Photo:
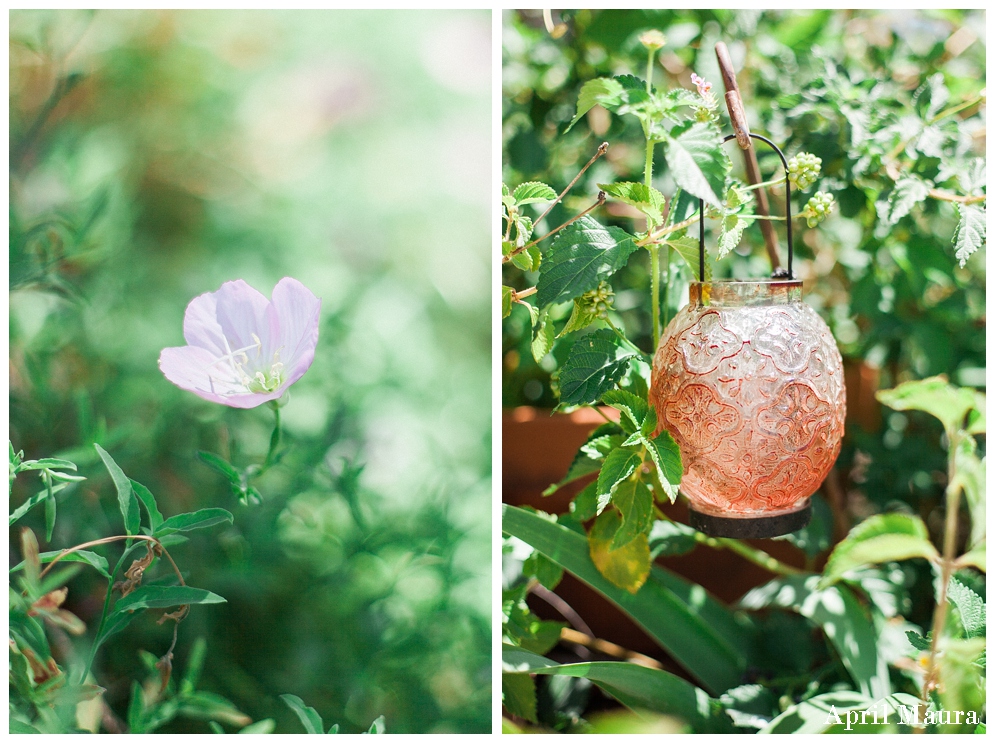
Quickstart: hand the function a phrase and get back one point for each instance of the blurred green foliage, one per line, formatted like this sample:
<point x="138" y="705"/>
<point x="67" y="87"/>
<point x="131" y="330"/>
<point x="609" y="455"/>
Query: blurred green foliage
<point x="157" y="154"/>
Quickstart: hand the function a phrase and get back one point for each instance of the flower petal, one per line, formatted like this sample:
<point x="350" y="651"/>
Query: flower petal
<point x="200" y="324"/>
<point x="199" y="371"/>
<point x="298" y="311"/>
<point x="243" y="312"/>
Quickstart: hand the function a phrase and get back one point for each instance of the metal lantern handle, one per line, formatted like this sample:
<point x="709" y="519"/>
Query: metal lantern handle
<point x="787" y="211"/>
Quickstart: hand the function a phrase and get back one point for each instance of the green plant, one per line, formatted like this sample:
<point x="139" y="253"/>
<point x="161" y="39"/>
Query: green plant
<point x="742" y="678"/>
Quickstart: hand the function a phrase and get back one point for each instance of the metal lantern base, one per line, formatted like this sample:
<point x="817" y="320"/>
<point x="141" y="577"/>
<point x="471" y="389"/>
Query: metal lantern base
<point x="762" y="527"/>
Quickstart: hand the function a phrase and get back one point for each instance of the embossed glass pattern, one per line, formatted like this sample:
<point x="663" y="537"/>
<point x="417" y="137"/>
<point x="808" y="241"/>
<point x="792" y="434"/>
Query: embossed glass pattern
<point x="749" y="382"/>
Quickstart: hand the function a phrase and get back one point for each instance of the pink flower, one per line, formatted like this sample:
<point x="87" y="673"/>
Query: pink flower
<point x="242" y="349"/>
<point x="704" y="87"/>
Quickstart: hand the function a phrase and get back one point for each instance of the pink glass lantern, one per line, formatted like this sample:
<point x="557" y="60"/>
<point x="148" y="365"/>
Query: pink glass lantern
<point x="748" y="380"/>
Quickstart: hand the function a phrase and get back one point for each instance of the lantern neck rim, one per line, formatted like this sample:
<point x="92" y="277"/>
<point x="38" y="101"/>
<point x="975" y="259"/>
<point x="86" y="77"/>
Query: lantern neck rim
<point x="737" y="293"/>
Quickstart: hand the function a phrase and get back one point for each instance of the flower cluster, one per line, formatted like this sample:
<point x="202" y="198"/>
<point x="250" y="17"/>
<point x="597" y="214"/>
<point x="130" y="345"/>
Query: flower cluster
<point x="652" y="40"/>
<point x="818" y="208"/>
<point x="707" y="110"/>
<point x="803" y="169"/>
<point x="596" y="302"/>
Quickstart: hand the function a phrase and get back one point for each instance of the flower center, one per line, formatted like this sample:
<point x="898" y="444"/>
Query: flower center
<point x="235" y="373"/>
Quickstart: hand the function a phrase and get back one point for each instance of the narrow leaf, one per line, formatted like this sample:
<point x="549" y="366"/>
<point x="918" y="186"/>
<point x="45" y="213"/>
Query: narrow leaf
<point x="196" y="520"/>
<point x="308" y="716"/>
<point x="148" y="500"/>
<point x="127" y="501"/>
<point x="162" y="597"/>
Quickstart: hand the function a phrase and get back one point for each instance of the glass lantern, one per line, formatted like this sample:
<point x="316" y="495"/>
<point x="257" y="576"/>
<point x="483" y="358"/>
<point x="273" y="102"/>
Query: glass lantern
<point x="748" y="380"/>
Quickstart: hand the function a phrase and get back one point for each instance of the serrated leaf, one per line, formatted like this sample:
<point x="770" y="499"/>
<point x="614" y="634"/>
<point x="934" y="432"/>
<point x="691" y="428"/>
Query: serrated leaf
<point x="931" y="97"/>
<point x="544" y="337"/>
<point x="970" y="233"/>
<point x="681" y="97"/>
<point x="627" y="567"/>
<point x="697" y="162"/>
<point x="666" y="455"/>
<point x="518" y="695"/>
<point x="732" y="233"/>
<point x="126" y="498"/>
<point x="533" y="311"/>
<point x="688" y="249"/>
<point x="578" y="320"/>
<point x="581" y="256"/>
<point x="596" y="363"/>
<point x="634" y="409"/>
<point x="547" y="572"/>
<point x="881" y="538"/>
<point x="908" y="192"/>
<point x="308" y="716"/>
<point x="590" y="456"/>
<point x="601" y="91"/>
<point x="970" y="606"/>
<point x="618" y="465"/>
<point x="506" y="301"/>
<point x="644" y="198"/>
<point x="634" y="502"/>
<point x="532" y="193"/>
<point x="584" y="506"/>
<point x="201" y="519"/>
<point x="528" y="260"/>
<point x="917" y="641"/>
<point x="935" y="396"/>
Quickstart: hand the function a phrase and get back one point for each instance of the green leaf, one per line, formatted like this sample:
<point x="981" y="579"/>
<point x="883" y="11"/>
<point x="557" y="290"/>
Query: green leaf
<point x="843" y="621"/>
<point x="528" y="260"/>
<point x="518" y="694"/>
<point x="506" y="301"/>
<point x="547" y="572"/>
<point x="378" y="726"/>
<point x="46" y="464"/>
<point x="909" y="191"/>
<point x="970" y="232"/>
<point x="668" y="538"/>
<point x="917" y="641"/>
<point x="596" y="364"/>
<point x="634" y="502"/>
<point x="976" y="557"/>
<point x="50" y="509"/>
<point x="197" y="520"/>
<point x="688" y="249"/>
<point x="34" y="500"/>
<point x="970" y="606"/>
<point x="970" y="477"/>
<point x="533" y="192"/>
<point x="222" y="467"/>
<point x="578" y="320"/>
<point x="697" y="162"/>
<point x="262" y="727"/>
<point x="633" y="408"/>
<point x="308" y="716"/>
<point x="127" y="501"/>
<point x="601" y="91"/>
<point x="819" y="714"/>
<point x="666" y="455"/>
<point x="581" y="256"/>
<point x="881" y="538"/>
<point x="161" y="597"/>
<point x="732" y="233"/>
<point x="627" y="567"/>
<point x="636" y="686"/>
<point x="148" y="500"/>
<point x="544" y="338"/>
<point x="589" y="457"/>
<point x="935" y="396"/>
<point x="85" y="556"/>
<point x="700" y="633"/>
<point x="618" y="465"/>
<point x="645" y="198"/>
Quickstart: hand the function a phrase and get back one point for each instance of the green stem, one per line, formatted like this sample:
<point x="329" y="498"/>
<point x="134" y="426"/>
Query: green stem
<point x="765" y="184"/>
<point x="625" y="340"/>
<point x="655" y="290"/>
<point x="648" y="164"/>
<point x="666" y="288"/>
<point x="757" y="557"/>
<point x="274" y="439"/>
<point x="103" y="612"/>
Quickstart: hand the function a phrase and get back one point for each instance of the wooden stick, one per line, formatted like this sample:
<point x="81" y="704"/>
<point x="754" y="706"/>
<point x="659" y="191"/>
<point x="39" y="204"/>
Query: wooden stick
<point x="734" y="103"/>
